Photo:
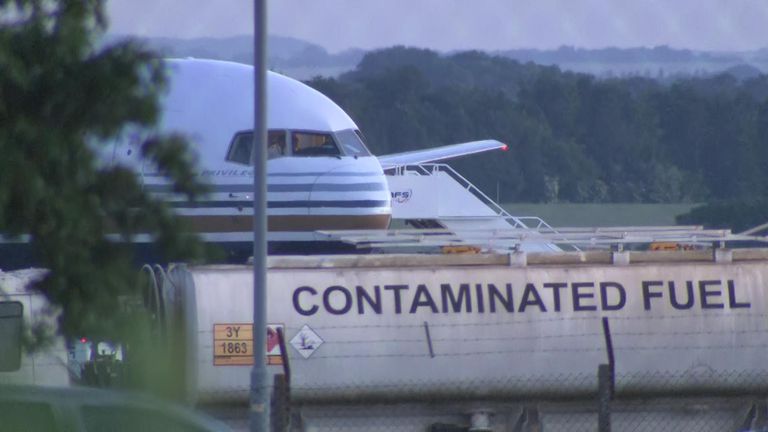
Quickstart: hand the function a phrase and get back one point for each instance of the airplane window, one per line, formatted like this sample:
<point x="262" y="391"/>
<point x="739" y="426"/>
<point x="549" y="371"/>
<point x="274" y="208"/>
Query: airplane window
<point x="240" y="149"/>
<point x="352" y="143"/>
<point x="276" y="147"/>
<point x="313" y="144"/>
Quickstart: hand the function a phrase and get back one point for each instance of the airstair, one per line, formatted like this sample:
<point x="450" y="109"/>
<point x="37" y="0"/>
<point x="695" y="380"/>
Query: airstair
<point x="446" y="211"/>
<point x="434" y="196"/>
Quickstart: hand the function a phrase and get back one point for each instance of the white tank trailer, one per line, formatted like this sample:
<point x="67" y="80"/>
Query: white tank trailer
<point x="374" y="342"/>
<point x="19" y="304"/>
<point x="481" y="327"/>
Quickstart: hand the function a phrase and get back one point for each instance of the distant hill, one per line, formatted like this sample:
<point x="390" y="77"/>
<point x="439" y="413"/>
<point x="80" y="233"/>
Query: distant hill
<point x="304" y="60"/>
<point x="619" y="55"/>
<point x="293" y="57"/>
<point x="661" y="62"/>
<point x="743" y="72"/>
<point x="467" y="69"/>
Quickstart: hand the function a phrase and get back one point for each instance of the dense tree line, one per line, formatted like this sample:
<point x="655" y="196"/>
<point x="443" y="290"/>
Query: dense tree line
<point x="572" y="137"/>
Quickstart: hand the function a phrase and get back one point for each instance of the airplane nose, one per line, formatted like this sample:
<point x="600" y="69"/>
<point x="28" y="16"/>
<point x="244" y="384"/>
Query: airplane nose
<point x="351" y="196"/>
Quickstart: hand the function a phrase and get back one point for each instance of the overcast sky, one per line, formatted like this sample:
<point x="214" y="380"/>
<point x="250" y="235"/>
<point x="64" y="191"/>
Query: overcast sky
<point x="461" y="24"/>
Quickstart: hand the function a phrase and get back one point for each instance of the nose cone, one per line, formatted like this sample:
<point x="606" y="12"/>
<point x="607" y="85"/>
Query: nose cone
<point x="353" y="195"/>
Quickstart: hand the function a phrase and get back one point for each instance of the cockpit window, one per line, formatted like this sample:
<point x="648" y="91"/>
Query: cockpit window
<point x="352" y="143"/>
<point x="275" y="144"/>
<point x="313" y="144"/>
<point x="240" y="148"/>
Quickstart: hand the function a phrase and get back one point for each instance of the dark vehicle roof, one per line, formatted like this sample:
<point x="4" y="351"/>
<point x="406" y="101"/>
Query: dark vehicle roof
<point x="96" y="409"/>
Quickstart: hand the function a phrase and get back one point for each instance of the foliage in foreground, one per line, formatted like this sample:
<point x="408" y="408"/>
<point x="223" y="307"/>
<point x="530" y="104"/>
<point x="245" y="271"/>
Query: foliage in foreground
<point x="62" y="101"/>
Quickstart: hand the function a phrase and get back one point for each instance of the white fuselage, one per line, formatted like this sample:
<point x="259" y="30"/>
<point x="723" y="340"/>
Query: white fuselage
<point x="338" y="185"/>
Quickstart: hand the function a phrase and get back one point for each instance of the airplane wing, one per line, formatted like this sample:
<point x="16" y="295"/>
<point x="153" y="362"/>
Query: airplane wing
<point x="439" y="153"/>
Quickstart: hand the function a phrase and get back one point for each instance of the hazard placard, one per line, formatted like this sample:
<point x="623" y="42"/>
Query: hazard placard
<point x="273" y="344"/>
<point x="233" y="344"/>
<point x="306" y="341"/>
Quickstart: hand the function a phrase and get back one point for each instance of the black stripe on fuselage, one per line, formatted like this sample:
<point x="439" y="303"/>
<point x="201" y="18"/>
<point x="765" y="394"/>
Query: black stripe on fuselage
<point x="298" y="187"/>
<point x="248" y="173"/>
<point x="326" y="187"/>
<point x="326" y="174"/>
<point x="281" y="204"/>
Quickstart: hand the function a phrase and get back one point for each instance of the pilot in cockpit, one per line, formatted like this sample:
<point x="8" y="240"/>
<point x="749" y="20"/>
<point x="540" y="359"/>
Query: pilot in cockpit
<point x="276" y="147"/>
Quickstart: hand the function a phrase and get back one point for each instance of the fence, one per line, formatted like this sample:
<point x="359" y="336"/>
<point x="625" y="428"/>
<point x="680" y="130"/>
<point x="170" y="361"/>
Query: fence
<point x="551" y="413"/>
<point x="699" y="399"/>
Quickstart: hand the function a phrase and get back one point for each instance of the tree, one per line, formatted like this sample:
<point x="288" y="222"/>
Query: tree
<point x="572" y="137"/>
<point x="62" y="98"/>
<point x="737" y="215"/>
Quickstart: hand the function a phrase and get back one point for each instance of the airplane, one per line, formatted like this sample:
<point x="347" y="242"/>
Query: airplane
<point x="320" y="174"/>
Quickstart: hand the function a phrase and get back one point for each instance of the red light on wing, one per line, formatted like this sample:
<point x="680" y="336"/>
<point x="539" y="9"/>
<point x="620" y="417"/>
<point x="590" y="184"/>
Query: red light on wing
<point x="505" y="147"/>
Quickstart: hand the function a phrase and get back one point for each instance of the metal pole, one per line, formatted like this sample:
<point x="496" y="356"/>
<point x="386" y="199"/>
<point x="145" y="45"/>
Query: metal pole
<point x="604" y="395"/>
<point x="611" y="358"/>
<point x="259" y="406"/>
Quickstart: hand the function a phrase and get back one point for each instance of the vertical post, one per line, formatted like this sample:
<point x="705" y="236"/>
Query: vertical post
<point x="259" y="398"/>
<point x="284" y="355"/>
<point x="280" y="409"/>
<point x="605" y="382"/>
<point x="611" y="359"/>
<point x="603" y="398"/>
<point x="429" y="340"/>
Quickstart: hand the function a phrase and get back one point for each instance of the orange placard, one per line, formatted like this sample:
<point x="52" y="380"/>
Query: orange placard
<point x="233" y="344"/>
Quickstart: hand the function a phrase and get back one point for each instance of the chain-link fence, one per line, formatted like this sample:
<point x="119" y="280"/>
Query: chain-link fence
<point x="656" y="372"/>
<point x="573" y="414"/>
<point x="495" y="389"/>
<point x="569" y="410"/>
<point x="690" y="396"/>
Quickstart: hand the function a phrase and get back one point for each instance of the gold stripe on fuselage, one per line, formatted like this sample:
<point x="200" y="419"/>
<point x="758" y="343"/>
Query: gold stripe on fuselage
<point x="244" y="223"/>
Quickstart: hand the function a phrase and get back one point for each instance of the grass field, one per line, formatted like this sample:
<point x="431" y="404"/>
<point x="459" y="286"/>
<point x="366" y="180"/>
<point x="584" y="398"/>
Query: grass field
<point x="589" y="215"/>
